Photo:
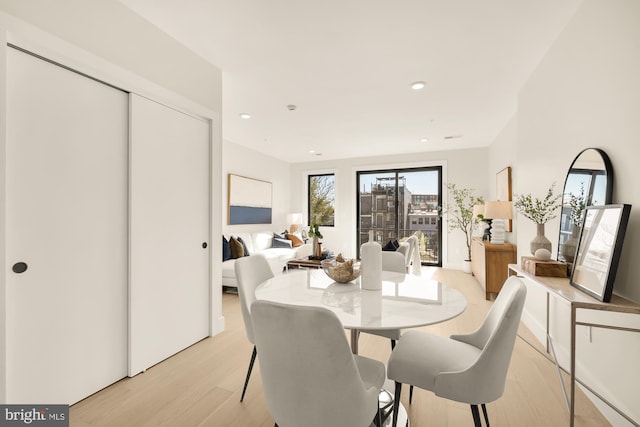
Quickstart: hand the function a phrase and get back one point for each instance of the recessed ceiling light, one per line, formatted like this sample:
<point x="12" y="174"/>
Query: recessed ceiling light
<point x="312" y="151"/>
<point x="418" y="85"/>
<point x="424" y="140"/>
<point x="245" y="116"/>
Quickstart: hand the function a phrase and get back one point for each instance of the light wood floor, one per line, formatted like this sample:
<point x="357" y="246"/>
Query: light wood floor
<point x="201" y="385"/>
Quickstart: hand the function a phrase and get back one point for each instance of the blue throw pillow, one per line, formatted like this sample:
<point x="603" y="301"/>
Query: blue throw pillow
<point x="244" y="246"/>
<point x="281" y="243"/>
<point x="226" y="249"/>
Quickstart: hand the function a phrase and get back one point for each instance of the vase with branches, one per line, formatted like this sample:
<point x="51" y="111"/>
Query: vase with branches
<point x="314" y="232"/>
<point x="540" y="211"/>
<point x="460" y="212"/>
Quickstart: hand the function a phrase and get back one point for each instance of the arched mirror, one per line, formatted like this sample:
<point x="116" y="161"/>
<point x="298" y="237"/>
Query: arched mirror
<point x="589" y="182"/>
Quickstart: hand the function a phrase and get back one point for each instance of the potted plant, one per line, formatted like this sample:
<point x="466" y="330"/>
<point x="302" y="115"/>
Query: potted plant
<point x="460" y="214"/>
<point x="314" y="232"/>
<point x="577" y="204"/>
<point x="540" y="212"/>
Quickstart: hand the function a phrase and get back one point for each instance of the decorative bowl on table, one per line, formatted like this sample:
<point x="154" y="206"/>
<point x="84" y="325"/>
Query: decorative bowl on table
<point x="341" y="270"/>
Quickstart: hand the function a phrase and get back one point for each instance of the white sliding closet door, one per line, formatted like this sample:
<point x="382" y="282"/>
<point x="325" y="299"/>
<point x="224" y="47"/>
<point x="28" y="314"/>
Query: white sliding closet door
<point x="67" y="224"/>
<point x="170" y="224"/>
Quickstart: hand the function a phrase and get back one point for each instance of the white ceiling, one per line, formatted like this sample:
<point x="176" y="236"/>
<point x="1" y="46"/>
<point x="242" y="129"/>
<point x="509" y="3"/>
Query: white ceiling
<point x="347" y="65"/>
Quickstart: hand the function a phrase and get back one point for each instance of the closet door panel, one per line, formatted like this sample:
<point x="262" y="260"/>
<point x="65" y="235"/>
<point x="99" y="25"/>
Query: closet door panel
<point x="170" y="224"/>
<point x="67" y="148"/>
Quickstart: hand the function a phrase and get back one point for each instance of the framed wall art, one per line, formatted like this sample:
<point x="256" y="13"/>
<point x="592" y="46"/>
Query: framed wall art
<point x="249" y="200"/>
<point x="503" y="191"/>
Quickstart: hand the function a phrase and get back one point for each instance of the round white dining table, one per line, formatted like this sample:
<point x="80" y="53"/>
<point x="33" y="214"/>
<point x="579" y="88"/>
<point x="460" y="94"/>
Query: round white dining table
<point x="405" y="301"/>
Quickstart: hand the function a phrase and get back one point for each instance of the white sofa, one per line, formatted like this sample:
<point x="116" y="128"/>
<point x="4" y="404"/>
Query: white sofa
<point x="260" y="242"/>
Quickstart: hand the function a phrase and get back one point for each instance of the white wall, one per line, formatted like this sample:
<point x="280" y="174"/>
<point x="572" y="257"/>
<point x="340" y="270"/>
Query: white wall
<point x="586" y="93"/>
<point x="465" y="168"/>
<point x="243" y="161"/>
<point x="114" y="32"/>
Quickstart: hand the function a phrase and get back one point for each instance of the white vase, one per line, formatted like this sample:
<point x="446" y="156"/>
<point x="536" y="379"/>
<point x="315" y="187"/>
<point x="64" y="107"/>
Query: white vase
<point x="569" y="247"/>
<point x="466" y="266"/>
<point x="371" y="265"/>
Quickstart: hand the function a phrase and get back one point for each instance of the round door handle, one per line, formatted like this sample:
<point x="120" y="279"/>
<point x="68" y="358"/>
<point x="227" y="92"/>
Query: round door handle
<point x="204" y="245"/>
<point x="19" y="267"/>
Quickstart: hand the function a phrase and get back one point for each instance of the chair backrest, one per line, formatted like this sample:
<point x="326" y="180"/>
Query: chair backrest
<point x="414" y="257"/>
<point x="496" y="338"/>
<point x="405" y="249"/>
<point x="309" y="374"/>
<point x="393" y="261"/>
<point x="250" y="272"/>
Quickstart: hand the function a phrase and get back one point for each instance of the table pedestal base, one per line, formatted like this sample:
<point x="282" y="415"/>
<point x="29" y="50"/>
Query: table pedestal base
<point x="385" y="399"/>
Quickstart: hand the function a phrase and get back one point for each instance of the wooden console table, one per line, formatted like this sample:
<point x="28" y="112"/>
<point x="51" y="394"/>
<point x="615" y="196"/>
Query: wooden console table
<point x="489" y="264"/>
<point x="578" y="300"/>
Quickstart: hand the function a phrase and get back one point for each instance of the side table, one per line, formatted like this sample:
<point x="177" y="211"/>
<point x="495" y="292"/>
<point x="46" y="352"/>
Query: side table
<point x="304" y="263"/>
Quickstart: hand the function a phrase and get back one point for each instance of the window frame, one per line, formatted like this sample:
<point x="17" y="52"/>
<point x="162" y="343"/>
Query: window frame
<point x="310" y="176"/>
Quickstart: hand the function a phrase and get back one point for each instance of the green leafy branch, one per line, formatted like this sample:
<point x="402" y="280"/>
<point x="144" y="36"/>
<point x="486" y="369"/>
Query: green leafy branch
<point x="577" y="203"/>
<point x="539" y="211"/>
<point x="460" y="213"/>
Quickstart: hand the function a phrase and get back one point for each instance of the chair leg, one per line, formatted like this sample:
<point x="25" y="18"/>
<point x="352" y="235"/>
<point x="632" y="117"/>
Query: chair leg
<point x="393" y="344"/>
<point x="476" y="416"/>
<point x="377" y="421"/>
<point x="410" y="394"/>
<point x="486" y="416"/>
<point x="246" y="381"/>
<point x="396" y="402"/>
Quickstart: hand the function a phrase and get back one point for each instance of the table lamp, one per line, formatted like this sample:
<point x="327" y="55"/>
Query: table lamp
<point x="498" y="211"/>
<point x="295" y="219"/>
<point x="479" y="210"/>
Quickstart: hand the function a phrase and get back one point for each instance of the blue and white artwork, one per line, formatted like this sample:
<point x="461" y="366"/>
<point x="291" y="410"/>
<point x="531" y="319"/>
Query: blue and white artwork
<point x="249" y="201"/>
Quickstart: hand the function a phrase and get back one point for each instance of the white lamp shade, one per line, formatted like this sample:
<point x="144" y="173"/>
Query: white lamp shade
<point x="498" y="210"/>
<point x="294" y="218"/>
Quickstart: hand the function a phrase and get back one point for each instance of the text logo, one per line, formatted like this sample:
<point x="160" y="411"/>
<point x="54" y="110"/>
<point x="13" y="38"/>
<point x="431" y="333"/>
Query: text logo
<point x="34" y="415"/>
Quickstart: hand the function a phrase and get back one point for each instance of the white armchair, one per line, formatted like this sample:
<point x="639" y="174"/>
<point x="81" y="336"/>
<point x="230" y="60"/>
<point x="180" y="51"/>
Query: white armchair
<point x="309" y="374"/>
<point x="466" y="368"/>
<point x="250" y="272"/>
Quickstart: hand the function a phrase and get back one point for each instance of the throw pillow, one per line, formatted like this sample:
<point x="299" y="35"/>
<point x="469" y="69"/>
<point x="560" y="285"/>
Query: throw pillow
<point x="244" y="246"/>
<point x="281" y="243"/>
<point x="279" y="236"/>
<point x="237" y="251"/>
<point x="295" y="241"/>
<point x="226" y="249"/>
<point x="391" y="245"/>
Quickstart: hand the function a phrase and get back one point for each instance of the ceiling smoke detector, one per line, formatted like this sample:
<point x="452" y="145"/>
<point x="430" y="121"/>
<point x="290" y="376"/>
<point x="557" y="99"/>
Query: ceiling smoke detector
<point x="291" y="107"/>
<point x="450" y="137"/>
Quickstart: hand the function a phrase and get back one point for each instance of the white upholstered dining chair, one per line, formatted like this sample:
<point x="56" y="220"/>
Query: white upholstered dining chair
<point x="468" y="368"/>
<point x="309" y="375"/>
<point x="250" y="272"/>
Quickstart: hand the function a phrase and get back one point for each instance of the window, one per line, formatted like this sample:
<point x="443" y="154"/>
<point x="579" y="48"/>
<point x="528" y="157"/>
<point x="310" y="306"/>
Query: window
<point x="321" y="199"/>
<point x="398" y="201"/>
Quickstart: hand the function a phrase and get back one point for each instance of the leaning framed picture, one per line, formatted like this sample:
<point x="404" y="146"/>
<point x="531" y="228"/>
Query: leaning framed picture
<point x="599" y="248"/>
<point x="503" y="191"/>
